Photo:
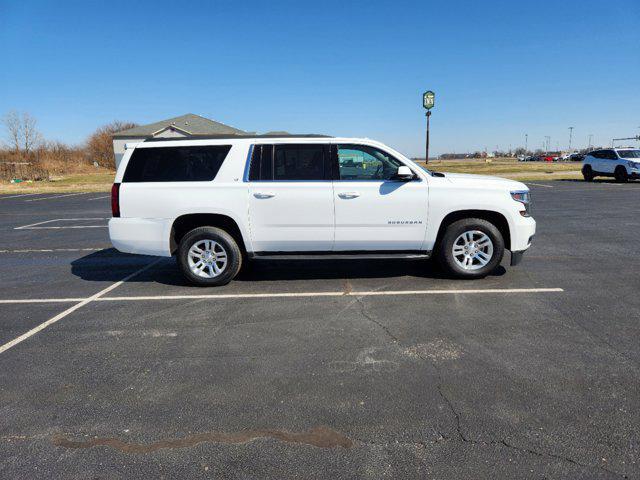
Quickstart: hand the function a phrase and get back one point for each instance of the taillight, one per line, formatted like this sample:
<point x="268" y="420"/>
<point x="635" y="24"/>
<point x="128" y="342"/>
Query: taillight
<point x="115" y="200"/>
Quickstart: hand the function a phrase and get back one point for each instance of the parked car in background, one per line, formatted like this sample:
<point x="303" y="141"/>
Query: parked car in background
<point x="576" y="157"/>
<point x="621" y="163"/>
<point x="214" y="203"/>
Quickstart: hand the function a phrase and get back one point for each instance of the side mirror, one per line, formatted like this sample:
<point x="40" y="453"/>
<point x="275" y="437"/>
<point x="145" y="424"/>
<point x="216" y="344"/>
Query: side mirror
<point x="404" y="174"/>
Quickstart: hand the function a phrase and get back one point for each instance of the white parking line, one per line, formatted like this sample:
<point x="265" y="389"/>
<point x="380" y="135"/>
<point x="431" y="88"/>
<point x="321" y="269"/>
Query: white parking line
<point x="34" y="226"/>
<point x="539" y="185"/>
<point x="100" y="198"/>
<point x="72" y="309"/>
<point x="224" y="296"/>
<point x="18" y="196"/>
<point x="47" y="250"/>
<point x="55" y="196"/>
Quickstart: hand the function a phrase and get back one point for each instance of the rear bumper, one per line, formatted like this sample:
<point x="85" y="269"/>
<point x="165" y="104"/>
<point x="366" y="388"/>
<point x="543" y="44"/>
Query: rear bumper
<point x="145" y="236"/>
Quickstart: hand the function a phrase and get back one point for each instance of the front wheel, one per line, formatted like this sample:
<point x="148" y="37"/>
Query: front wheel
<point x="621" y="175"/>
<point x="209" y="256"/>
<point x="471" y="248"/>
<point x="587" y="173"/>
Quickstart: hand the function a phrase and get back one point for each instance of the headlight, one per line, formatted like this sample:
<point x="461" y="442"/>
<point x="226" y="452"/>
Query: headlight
<point x="634" y="164"/>
<point x="524" y="197"/>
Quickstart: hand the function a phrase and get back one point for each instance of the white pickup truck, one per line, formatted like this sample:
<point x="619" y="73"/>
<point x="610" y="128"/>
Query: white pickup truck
<point x="216" y="202"/>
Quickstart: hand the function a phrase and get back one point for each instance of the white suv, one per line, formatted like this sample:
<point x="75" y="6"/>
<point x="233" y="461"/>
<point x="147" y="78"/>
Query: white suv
<point x="621" y="163"/>
<point x="216" y="202"/>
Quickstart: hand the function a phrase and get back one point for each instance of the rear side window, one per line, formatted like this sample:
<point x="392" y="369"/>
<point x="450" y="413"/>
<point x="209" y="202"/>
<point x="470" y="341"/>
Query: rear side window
<point x="290" y="162"/>
<point x="261" y="163"/>
<point x="605" y="155"/>
<point x="175" y="164"/>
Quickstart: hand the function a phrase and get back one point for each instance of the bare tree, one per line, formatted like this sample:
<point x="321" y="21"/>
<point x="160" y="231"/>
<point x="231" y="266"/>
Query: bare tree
<point x="100" y="143"/>
<point x="12" y="123"/>
<point x="22" y="131"/>
<point x="31" y="137"/>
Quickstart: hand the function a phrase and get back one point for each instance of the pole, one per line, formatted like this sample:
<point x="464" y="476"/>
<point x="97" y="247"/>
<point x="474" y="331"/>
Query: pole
<point x="526" y="143"/>
<point x="426" y="157"/>
<point x="570" y="137"/>
<point x="590" y="137"/>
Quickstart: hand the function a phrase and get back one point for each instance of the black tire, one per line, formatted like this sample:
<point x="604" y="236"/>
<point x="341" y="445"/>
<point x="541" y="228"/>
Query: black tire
<point x="587" y="173"/>
<point x="445" y="254"/>
<point x="620" y="174"/>
<point x="226" y="241"/>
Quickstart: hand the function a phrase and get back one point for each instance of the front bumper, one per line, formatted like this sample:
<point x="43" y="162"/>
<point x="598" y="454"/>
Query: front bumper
<point x="516" y="257"/>
<point x="522" y="235"/>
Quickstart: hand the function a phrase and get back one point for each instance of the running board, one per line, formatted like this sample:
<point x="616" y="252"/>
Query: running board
<point x="339" y="255"/>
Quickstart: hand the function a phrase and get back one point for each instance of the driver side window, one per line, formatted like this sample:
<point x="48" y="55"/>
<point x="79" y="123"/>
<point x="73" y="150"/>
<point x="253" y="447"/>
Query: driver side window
<point x="361" y="162"/>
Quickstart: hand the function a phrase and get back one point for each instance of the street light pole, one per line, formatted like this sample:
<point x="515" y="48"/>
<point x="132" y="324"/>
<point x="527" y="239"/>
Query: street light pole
<point x="526" y="142"/>
<point x="590" y="137"/>
<point x="570" y="137"/>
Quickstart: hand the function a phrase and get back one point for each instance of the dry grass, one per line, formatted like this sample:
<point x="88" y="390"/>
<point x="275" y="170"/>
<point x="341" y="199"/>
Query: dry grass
<point x="510" y="168"/>
<point x="93" y="182"/>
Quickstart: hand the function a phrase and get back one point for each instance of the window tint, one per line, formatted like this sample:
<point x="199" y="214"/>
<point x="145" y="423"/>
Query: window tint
<point x="261" y="163"/>
<point x="597" y="154"/>
<point x="175" y="164"/>
<point x="609" y="154"/>
<point x="361" y="162"/>
<point x="629" y="153"/>
<point x="299" y="162"/>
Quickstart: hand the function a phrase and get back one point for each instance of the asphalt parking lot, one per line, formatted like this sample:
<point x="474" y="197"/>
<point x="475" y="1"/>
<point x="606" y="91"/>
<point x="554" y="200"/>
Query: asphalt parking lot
<point x="332" y="369"/>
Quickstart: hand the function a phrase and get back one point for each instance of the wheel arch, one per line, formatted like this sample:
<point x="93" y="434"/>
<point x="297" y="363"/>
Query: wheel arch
<point x="496" y="218"/>
<point x="185" y="223"/>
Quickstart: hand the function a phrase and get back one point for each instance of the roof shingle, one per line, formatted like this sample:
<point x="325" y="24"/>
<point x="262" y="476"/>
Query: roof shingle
<point x="190" y="123"/>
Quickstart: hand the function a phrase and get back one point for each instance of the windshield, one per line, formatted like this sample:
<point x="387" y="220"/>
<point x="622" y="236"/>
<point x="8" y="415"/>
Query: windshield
<point x="629" y="153"/>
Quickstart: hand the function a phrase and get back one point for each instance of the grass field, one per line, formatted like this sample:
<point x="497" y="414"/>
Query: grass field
<point x="91" y="182"/>
<point x="510" y="168"/>
<point x="502" y="167"/>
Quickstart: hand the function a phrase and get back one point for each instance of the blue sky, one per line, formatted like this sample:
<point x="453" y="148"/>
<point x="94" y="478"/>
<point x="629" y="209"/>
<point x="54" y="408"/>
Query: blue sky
<point x="499" y="69"/>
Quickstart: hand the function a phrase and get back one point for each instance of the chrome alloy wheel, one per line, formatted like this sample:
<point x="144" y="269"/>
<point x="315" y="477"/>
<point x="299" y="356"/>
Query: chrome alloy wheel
<point x="472" y="250"/>
<point x="207" y="258"/>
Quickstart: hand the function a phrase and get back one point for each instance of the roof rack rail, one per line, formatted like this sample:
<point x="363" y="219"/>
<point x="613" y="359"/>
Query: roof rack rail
<point x="236" y="137"/>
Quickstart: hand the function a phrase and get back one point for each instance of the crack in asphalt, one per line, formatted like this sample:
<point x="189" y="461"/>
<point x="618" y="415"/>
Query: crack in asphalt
<point x="460" y="434"/>
<point x="363" y="311"/>
<point x="321" y="437"/>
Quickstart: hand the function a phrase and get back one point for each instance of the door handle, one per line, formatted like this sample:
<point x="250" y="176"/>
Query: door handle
<point x="347" y="195"/>
<point x="264" y="194"/>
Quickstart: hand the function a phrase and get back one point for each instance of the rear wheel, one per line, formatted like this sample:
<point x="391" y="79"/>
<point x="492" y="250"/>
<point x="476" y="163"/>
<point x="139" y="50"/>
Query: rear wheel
<point x="471" y="248"/>
<point x="620" y="174"/>
<point x="209" y="256"/>
<point x="587" y="173"/>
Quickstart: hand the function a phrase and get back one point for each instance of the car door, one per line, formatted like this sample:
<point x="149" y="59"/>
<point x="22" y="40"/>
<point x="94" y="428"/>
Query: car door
<point x="595" y="160"/>
<point x="373" y="211"/>
<point x="291" y="198"/>
<point x="603" y="162"/>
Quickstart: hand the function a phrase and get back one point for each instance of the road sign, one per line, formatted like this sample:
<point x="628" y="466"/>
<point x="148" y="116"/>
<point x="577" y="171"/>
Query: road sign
<point x="428" y="100"/>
